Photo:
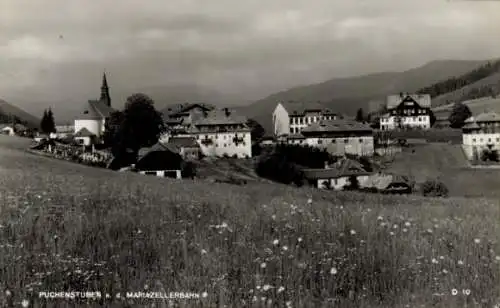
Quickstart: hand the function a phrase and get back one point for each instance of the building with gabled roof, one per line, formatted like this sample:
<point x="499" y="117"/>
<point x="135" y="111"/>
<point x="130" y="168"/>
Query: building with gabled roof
<point x="340" y="137"/>
<point x="188" y="146"/>
<point x="161" y="159"/>
<point x="480" y="133"/>
<point x="407" y="111"/>
<point x="292" y="117"/>
<point x="95" y="112"/>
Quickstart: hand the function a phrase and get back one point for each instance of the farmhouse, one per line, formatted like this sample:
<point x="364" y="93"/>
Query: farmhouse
<point x="338" y="175"/>
<point x="63" y="131"/>
<point x="85" y="137"/>
<point x="161" y="160"/>
<point x="179" y="118"/>
<point x="480" y="133"/>
<point x="340" y="137"/>
<point x="407" y="111"/>
<point x="188" y="147"/>
<point x="95" y="113"/>
<point x="291" y="118"/>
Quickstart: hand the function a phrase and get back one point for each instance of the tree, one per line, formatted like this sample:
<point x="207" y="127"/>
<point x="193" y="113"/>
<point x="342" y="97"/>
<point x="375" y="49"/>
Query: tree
<point x="432" y="118"/>
<point x="141" y="124"/>
<point x="111" y="136"/>
<point x="360" y="117"/>
<point x="47" y="124"/>
<point x="257" y="131"/>
<point x="458" y="115"/>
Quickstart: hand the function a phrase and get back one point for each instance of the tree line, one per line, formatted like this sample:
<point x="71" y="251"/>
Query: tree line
<point x="455" y="83"/>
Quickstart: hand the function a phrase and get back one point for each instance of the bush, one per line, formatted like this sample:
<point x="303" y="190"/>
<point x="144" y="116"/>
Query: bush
<point x="235" y="156"/>
<point x="225" y="155"/>
<point x="489" y="155"/>
<point x="188" y="170"/>
<point x="434" y="188"/>
<point x="278" y="168"/>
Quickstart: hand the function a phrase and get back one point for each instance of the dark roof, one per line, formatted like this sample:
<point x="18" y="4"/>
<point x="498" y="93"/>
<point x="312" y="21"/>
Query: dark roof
<point x="95" y="110"/>
<point x="296" y="136"/>
<point x="301" y="107"/>
<point x="339" y="125"/>
<point x="484" y="117"/>
<point x="158" y="147"/>
<point x="185" y="107"/>
<point x="424" y="100"/>
<point x="184" y="142"/>
<point x="342" y="168"/>
<point x="84" y="132"/>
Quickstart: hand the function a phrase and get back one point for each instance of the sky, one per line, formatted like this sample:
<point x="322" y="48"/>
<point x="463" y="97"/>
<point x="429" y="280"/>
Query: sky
<point x="56" y="50"/>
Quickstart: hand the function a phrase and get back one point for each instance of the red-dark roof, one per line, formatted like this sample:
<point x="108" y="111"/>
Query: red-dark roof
<point x="95" y="110"/>
<point x="158" y="147"/>
<point x="339" y="125"/>
<point x="84" y="132"/>
<point x="185" y="142"/>
<point x="342" y="168"/>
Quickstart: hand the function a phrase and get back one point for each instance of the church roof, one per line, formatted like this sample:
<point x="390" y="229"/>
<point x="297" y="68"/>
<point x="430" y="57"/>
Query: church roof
<point x="424" y="100"/>
<point x="340" y="125"/>
<point x="95" y="110"/>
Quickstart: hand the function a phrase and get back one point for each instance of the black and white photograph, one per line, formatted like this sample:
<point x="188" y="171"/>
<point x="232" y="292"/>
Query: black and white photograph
<point x="281" y="153"/>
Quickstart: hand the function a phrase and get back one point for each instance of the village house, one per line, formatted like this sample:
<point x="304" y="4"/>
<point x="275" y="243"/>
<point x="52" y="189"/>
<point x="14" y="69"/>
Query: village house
<point x="163" y="160"/>
<point x="481" y="132"/>
<point x="296" y="139"/>
<point x="340" y="137"/>
<point x="179" y="118"/>
<point x="188" y="147"/>
<point x="7" y="129"/>
<point x="407" y="111"/>
<point x="85" y="137"/>
<point x="63" y="131"/>
<point x="95" y="113"/>
<point x="291" y="118"/>
<point x="337" y="176"/>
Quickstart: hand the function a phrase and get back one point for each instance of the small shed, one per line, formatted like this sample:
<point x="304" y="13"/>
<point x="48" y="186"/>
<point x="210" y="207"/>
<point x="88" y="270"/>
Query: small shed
<point x="162" y="159"/>
<point x="338" y="176"/>
<point x="188" y="147"/>
<point x="85" y="137"/>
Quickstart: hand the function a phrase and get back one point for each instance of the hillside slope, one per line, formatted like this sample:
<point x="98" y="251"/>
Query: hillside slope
<point x="11" y="110"/>
<point x="346" y="95"/>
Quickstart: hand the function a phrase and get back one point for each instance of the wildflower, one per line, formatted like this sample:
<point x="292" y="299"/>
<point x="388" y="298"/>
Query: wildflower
<point x="281" y="289"/>
<point x="285" y="248"/>
<point x="273" y="217"/>
<point x="460" y="262"/>
<point x="395" y="226"/>
<point x="309" y="201"/>
<point x="441" y="257"/>
<point x="266" y="287"/>
<point x="383" y="224"/>
<point x="203" y="251"/>
<point x="445" y="271"/>
<point x="405" y="230"/>
<point x="380" y="218"/>
<point x="8" y="293"/>
<point x="288" y="304"/>
<point x="333" y="271"/>
<point x="263" y="265"/>
<point x="477" y="241"/>
<point x="224" y="225"/>
<point x="25" y="303"/>
<point x="429" y="230"/>
<point x="353" y="232"/>
<point x="276" y="242"/>
<point x="391" y="233"/>
<point x="407" y="224"/>
<point x="299" y="239"/>
<point x="434" y="261"/>
<point x="497" y="258"/>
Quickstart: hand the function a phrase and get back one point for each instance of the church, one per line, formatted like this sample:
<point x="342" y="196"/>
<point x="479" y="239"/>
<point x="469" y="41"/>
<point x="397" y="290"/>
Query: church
<point x="90" y="123"/>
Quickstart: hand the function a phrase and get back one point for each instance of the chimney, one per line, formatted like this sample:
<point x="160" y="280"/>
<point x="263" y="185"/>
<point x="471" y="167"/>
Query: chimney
<point x="227" y="112"/>
<point x="401" y="94"/>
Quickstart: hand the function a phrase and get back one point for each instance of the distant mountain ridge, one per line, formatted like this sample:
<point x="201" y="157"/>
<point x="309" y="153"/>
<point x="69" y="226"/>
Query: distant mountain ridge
<point x="346" y="95"/>
<point x="9" y="110"/>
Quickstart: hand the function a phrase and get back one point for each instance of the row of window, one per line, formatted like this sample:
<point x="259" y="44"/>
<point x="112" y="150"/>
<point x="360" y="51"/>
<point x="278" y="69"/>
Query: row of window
<point x="389" y="127"/>
<point x="405" y="119"/>
<point x="321" y="141"/>
<point x="409" y="111"/>
<point x="224" y="137"/>
<point x="481" y="140"/>
<point x="309" y="120"/>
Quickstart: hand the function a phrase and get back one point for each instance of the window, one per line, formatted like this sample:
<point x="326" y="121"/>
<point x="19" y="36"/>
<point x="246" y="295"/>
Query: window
<point x="498" y="139"/>
<point x="489" y="139"/>
<point x="335" y="182"/>
<point x="360" y="140"/>
<point x="346" y="140"/>
<point x="333" y="140"/>
<point x="473" y="139"/>
<point x="320" y="141"/>
<point x="420" y="119"/>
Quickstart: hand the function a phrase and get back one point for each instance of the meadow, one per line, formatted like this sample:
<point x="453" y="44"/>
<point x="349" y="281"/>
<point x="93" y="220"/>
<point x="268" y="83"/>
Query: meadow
<point x="65" y="226"/>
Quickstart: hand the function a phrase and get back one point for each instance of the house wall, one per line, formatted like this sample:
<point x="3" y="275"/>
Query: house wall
<point x="222" y="143"/>
<point x="281" y="121"/>
<point x="8" y="130"/>
<point x="415" y="121"/>
<point x="358" y="145"/>
<point x="477" y="142"/>
<point x="84" y="140"/>
<point x="162" y="173"/>
<point x="94" y="126"/>
<point x="339" y="183"/>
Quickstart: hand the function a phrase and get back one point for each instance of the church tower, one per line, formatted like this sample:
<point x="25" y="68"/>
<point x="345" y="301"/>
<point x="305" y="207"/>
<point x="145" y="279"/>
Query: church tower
<point x="105" y="91"/>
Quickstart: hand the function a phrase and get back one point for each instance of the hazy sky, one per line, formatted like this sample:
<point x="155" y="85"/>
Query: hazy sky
<point x="57" y="49"/>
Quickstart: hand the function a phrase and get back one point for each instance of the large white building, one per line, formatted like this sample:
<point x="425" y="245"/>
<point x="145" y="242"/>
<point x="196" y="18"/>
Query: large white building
<point x="290" y="118"/>
<point x="481" y="132"/>
<point x="95" y="112"/>
<point x="340" y="137"/>
<point x="219" y="133"/>
<point x="407" y="111"/>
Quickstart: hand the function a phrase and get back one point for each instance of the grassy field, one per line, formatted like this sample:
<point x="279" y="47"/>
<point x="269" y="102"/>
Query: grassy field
<point x="448" y="164"/>
<point x="70" y="227"/>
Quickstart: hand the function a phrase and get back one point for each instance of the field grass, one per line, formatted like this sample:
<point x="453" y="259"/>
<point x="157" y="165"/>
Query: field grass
<point x="71" y="227"/>
<point x="447" y="163"/>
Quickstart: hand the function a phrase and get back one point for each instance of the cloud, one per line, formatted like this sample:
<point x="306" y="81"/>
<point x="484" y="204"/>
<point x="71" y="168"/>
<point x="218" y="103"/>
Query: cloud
<point x="246" y="47"/>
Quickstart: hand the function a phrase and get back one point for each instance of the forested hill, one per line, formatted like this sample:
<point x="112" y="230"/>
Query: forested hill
<point x="480" y="82"/>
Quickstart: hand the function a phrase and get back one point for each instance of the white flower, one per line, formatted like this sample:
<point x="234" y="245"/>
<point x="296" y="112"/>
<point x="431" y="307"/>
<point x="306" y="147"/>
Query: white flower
<point x="441" y="257"/>
<point x="333" y="271"/>
<point x="434" y="261"/>
<point x="281" y="289"/>
<point x="263" y="265"/>
<point x="203" y="251"/>
<point x="266" y="287"/>
<point x="273" y="217"/>
<point x="497" y="258"/>
<point x="477" y="241"/>
<point x="299" y="239"/>
<point x="285" y="248"/>
<point x="276" y="242"/>
<point x="395" y="226"/>
<point x="445" y="271"/>
<point x="405" y="230"/>
<point x="460" y="262"/>
<point x="309" y="201"/>
<point x="353" y="232"/>
<point x="380" y="218"/>
<point x="407" y="224"/>
<point x="224" y="225"/>
<point x="25" y="303"/>
<point x="391" y="233"/>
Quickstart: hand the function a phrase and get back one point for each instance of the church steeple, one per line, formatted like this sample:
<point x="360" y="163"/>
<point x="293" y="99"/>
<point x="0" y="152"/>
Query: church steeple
<point x="105" y="91"/>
